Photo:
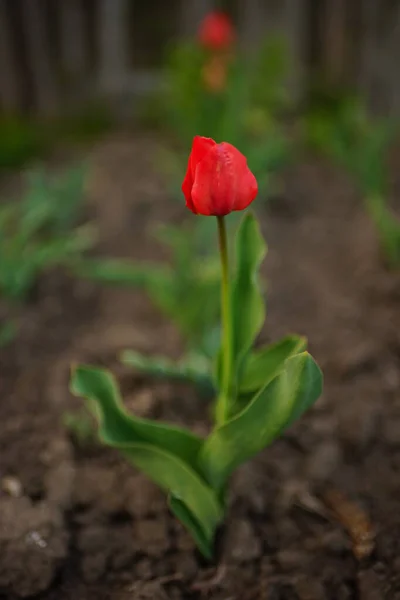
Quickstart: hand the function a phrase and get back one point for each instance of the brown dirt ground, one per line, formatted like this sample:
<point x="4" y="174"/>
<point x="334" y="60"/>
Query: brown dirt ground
<point x="314" y="517"/>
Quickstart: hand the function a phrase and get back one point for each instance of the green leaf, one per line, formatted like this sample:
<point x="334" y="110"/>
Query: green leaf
<point x="194" y="369"/>
<point x="270" y="155"/>
<point x="200" y="509"/>
<point x="248" y="307"/>
<point x="64" y="248"/>
<point x="388" y="228"/>
<point x="167" y="454"/>
<point x="263" y="365"/>
<point x="120" y="272"/>
<point x="181" y="512"/>
<point x="116" y="424"/>
<point x="294" y="389"/>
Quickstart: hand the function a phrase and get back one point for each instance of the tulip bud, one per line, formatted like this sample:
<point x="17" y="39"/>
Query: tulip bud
<point x="216" y="32"/>
<point x="218" y="180"/>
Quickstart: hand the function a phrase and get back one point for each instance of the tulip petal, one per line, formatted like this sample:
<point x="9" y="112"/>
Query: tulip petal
<point x="187" y="189"/>
<point x="213" y="185"/>
<point x="223" y="182"/>
<point x="201" y="145"/>
<point x="246" y="183"/>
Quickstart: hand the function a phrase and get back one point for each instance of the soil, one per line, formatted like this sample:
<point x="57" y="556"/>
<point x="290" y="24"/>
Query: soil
<point x="314" y="517"/>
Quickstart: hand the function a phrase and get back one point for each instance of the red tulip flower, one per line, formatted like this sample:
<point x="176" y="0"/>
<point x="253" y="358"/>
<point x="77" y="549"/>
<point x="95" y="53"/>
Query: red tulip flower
<point x="216" y="32"/>
<point x="218" y="180"/>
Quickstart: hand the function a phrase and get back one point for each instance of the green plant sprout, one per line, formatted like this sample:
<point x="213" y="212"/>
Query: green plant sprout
<point x="57" y="198"/>
<point x="8" y="331"/>
<point x="360" y="145"/>
<point x="260" y="392"/>
<point x="80" y="425"/>
<point x="36" y="233"/>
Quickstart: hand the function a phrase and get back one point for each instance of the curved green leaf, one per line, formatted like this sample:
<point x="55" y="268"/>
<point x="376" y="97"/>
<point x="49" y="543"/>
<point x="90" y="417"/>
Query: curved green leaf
<point x="295" y="388"/>
<point x="263" y="365"/>
<point x="165" y="453"/>
<point x="248" y="307"/>
<point x="203" y="542"/>
<point x="119" y="427"/>
<point x="199" y="508"/>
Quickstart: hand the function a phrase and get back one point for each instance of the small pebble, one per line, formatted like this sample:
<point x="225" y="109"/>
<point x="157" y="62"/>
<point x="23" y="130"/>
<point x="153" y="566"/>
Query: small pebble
<point x="12" y="486"/>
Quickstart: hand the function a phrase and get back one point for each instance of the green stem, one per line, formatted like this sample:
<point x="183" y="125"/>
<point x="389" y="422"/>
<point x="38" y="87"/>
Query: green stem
<point x="222" y="407"/>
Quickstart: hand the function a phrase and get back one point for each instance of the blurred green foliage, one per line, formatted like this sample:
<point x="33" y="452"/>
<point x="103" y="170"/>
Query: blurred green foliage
<point x="245" y="111"/>
<point x="89" y="122"/>
<point x="39" y="231"/>
<point x="8" y="331"/>
<point x="80" y="425"/>
<point x="186" y="292"/>
<point x="22" y="140"/>
<point x="359" y="143"/>
<point x="252" y="85"/>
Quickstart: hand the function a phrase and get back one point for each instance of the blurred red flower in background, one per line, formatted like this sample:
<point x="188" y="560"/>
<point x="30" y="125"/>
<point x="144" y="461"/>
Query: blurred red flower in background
<point x="218" y="180"/>
<point x="216" y="31"/>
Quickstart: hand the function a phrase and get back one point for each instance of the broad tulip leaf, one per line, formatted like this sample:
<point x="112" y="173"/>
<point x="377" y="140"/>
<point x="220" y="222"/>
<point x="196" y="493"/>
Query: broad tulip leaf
<point x="164" y="453"/>
<point x="248" y="307"/>
<point x="194" y="370"/>
<point x="203" y="540"/>
<point x="199" y="508"/>
<point x="294" y="389"/>
<point x="264" y="364"/>
<point x="117" y="425"/>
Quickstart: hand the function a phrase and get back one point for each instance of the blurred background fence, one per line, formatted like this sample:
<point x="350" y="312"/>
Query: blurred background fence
<point x="58" y="54"/>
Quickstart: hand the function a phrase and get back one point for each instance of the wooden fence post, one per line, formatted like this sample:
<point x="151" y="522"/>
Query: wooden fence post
<point x="336" y="49"/>
<point x="10" y="88"/>
<point x="286" y="18"/>
<point x="113" y="47"/>
<point x="34" y="27"/>
<point x="192" y="12"/>
<point x="251" y="24"/>
<point x="73" y="40"/>
<point x="295" y="19"/>
<point x="393" y="66"/>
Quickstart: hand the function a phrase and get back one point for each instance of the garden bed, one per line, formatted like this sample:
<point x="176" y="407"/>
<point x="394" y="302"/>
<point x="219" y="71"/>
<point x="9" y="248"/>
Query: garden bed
<point x="314" y="517"/>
